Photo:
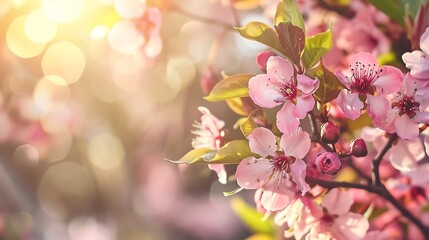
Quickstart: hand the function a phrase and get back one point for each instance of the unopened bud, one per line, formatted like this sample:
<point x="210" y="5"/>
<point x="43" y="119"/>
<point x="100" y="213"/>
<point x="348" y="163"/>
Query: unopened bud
<point x="208" y="81"/>
<point x="328" y="163"/>
<point x="262" y="59"/>
<point x="329" y="132"/>
<point x="358" y="148"/>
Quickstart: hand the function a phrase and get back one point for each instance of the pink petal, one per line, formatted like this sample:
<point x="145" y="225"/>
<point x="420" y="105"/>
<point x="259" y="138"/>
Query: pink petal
<point x="263" y="142"/>
<point x="337" y="202"/>
<point x="304" y="105"/>
<point x="264" y="90"/>
<point x="153" y="46"/>
<point x="280" y="67"/>
<point x="124" y="37"/>
<point x="365" y="58"/>
<point x="286" y="120"/>
<point x="405" y="155"/>
<point x="424" y="41"/>
<point x="253" y="173"/>
<point x="277" y="199"/>
<point x="298" y="172"/>
<point x="426" y="142"/>
<point x="389" y="80"/>
<point x="220" y="171"/>
<point x="406" y="128"/>
<point x="377" y="107"/>
<point x="307" y="85"/>
<point x="350" y="226"/>
<point x="343" y="79"/>
<point x="350" y="104"/>
<point x="296" y="144"/>
<point x="130" y="8"/>
<point x="418" y="63"/>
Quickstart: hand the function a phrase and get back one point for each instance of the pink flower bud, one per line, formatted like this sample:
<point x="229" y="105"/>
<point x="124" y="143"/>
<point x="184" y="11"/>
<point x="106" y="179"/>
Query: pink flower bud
<point x="262" y="59"/>
<point x="330" y="132"/>
<point x="208" y="81"/>
<point x="358" y="148"/>
<point x="328" y="163"/>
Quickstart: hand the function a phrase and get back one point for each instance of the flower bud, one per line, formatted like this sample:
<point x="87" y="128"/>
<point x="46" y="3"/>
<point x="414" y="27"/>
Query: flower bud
<point x="330" y="133"/>
<point x="262" y="59"/>
<point x="328" y="163"/>
<point x="358" y="148"/>
<point x="208" y="80"/>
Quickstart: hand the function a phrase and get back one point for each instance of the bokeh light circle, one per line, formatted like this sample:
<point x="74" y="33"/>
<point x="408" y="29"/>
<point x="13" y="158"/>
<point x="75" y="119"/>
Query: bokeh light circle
<point x="40" y="28"/>
<point x="61" y="11"/>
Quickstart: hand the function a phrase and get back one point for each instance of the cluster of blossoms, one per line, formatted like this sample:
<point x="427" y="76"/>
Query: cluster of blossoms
<point x="295" y="164"/>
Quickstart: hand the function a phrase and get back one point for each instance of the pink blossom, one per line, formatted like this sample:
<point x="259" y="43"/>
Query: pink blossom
<point x="337" y="222"/>
<point x="139" y="29"/>
<point x="209" y="134"/>
<point x="278" y="173"/>
<point x="280" y="86"/>
<point x="369" y="83"/>
<point x="409" y="108"/>
<point x="328" y="163"/>
<point x="418" y="61"/>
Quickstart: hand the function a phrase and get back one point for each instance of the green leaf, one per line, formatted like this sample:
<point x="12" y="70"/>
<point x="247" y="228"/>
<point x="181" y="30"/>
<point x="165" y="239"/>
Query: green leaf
<point x="230" y="87"/>
<point x="233" y="192"/>
<point x="292" y="39"/>
<point x="315" y="47"/>
<point x="329" y="86"/>
<point x="261" y="32"/>
<point x="251" y="217"/>
<point x="233" y="152"/>
<point x="392" y="9"/>
<point x="236" y="105"/>
<point x="247" y="126"/>
<point x="288" y="11"/>
<point x="198" y="155"/>
<point x="412" y="6"/>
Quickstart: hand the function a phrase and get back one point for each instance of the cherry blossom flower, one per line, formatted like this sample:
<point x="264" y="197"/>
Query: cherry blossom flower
<point x="139" y="29"/>
<point x="278" y="173"/>
<point x="328" y="163"/>
<point x="337" y="222"/>
<point x="281" y="86"/>
<point x="209" y="135"/>
<point x="418" y="61"/>
<point x="409" y="108"/>
<point x="367" y="83"/>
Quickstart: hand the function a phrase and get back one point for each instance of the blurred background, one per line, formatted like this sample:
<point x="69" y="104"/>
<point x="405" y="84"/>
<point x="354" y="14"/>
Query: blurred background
<point x="85" y="130"/>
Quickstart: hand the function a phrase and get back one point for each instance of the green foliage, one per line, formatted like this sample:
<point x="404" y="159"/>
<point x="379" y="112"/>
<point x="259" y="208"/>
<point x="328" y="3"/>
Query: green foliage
<point x="199" y="155"/>
<point x="237" y="106"/>
<point x="251" y="217"/>
<point x="411" y="7"/>
<point x="233" y="152"/>
<point x="230" y="87"/>
<point x="288" y="12"/>
<point x="391" y="8"/>
<point x="292" y="39"/>
<point x="247" y="126"/>
<point x="261" y="32"/>
<point x="315" y="47"/>
<point x="329" y="86"/>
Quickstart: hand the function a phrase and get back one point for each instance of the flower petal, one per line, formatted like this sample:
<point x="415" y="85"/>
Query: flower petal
<point x="365" y="58"/>
<point x="307" y="85"/>
<point x="406" y="128"/>
<point x="424" y="41"/>
<point x="298" y="172"/>
<point x="130" y="8"/>
<point x="377" y="107"/>
<point x="253" y="173"/>
<point x="263" y="142"/>
<point x="418" y="62"/>
<point x="389" y="80"/>
<point x="296" y="144"/>
<point x="303" y="105"/>
<point x="282" y="68"/>
<point x="264" y="89"/>
<point x="220" y="171"/>
<point x="286" y="120"/>
<point x="337" y="201"/>
<point x="405" y="155"/>
<point x="350" y="226"/>
<point x="350" y="104"/>
<point x="277" y="198"/>
<point x="125" y="38"/>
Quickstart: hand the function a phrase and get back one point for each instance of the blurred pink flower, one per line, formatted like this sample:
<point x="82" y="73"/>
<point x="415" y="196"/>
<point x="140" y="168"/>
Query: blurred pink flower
<point x="275" y="169"/>
<point x="367" y="81"/>
<point x="279" y="86"/>
<point x="209" y="134"/>
<point x="418" y="61"/>
<point x="139" y="29"/>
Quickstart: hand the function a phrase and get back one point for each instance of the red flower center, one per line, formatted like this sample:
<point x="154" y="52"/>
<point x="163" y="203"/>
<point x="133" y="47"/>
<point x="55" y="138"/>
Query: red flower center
<point x="363" y="76"/>
<point x="407" y="105"/>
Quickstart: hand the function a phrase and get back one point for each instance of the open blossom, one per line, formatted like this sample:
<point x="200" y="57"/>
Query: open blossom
<point x="279" y="172"/>
<point x="418" y="61"/>
<point x="367" y="83"/>
<point x="281" y="86"/>
<point x="209" y="134"/>
<point x="139" y="29"/>
<point x="409" y="108"/>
